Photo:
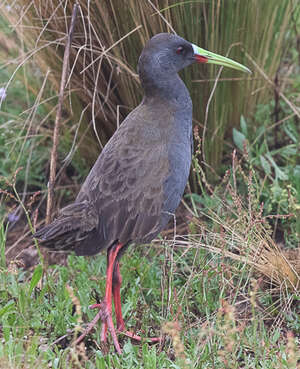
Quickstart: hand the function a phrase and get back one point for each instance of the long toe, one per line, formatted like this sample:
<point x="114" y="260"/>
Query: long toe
<point x="89" y="328"/>
<point x="105" y="315"/>
<point x="135" y="337"/>
<point x="104" y="333"/>
<point x="112" y="330"/>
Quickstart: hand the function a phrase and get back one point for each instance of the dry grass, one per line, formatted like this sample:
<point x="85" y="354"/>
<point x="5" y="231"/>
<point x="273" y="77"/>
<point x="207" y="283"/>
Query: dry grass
<point x="235" y="229"/>
<point x="257" y="249"/>
<point x="250" y="266"/>
<point x="108" y="39"/>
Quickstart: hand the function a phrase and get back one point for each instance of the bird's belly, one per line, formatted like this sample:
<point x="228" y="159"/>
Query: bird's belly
<point x="180" y="163"/>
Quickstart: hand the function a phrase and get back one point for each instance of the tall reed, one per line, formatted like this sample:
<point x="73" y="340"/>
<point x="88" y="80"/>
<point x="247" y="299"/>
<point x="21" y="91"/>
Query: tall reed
<point x="108" y="39"/>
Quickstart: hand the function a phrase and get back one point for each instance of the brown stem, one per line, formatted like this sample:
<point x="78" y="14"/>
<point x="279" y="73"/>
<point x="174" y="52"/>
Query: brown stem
<point x="58" y="117"/>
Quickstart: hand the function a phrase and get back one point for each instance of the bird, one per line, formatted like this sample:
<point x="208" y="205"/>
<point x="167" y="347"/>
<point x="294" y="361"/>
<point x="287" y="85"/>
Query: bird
<point x="140" y="176"/>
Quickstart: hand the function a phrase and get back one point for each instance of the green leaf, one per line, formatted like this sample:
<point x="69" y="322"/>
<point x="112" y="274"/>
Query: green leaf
<point x="238" y="139"/>
<point x="265" y="164"/>
<point x="7" y="307"/>
<point x="36" y="277"/>
<point x="292" y="132"/>
<point x="243" y="125"/>
<point x="279" y="173"/>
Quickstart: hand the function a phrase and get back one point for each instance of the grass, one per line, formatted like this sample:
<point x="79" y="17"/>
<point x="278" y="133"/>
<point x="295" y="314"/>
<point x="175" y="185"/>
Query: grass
<point x="213" y="318"/>
<point x="277" y="171"/>
<point x="224" y="296"/>
<point x="20" y="111"/>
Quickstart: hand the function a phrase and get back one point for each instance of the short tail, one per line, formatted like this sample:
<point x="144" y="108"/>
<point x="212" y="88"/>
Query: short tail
<point x="76" y="224"/>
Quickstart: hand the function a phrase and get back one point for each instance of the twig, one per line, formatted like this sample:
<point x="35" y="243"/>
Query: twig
<point x="41" y="256"/>
<point x="58" y="118"/>
<point x="162" y="17"/>
<point x="105" y="52"/>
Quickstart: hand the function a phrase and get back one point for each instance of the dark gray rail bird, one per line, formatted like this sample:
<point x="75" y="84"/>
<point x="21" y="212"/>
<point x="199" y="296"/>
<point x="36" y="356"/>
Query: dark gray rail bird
<point x="139" y="178"/>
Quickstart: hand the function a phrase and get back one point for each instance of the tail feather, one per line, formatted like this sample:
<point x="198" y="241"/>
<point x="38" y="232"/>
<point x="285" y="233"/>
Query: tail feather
<point x="75" y="223"/>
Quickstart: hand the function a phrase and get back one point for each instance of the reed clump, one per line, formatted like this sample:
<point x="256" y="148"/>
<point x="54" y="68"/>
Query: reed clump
<point x="103" y="85"/>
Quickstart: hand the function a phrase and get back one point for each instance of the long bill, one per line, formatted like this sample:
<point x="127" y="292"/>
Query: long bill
<point x="204" y="56"/>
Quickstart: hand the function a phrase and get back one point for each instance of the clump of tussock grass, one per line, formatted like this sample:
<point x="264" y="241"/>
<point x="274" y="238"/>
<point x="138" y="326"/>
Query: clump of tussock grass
<point x="233" y="226"/>
<point x="218" y="338"/>
<point x="103" y="85"/>
<point x="236" y="349"/>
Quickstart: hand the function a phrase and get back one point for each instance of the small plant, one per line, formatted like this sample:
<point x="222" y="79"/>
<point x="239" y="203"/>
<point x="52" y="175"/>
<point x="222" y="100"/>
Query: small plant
<point x="277" y="172"/>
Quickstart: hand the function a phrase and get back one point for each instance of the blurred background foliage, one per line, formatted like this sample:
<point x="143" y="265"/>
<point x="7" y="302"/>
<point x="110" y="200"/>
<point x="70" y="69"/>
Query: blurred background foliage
<point x="104" y="68"/>
<point x="103" y="85"/>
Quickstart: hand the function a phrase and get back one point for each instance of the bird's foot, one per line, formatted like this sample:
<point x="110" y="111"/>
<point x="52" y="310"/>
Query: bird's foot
<point x="121" y="329"/>
<point x="105" y="315"/>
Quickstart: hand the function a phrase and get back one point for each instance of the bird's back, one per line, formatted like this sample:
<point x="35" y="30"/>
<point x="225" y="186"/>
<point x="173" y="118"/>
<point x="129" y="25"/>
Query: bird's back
<point x="135" y="185"/>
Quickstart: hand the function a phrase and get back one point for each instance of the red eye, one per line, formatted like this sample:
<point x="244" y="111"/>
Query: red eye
<point x="179" y="50"/>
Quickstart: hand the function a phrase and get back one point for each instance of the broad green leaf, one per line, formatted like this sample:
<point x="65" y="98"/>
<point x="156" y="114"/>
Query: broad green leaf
<point x="36" y="277"/>
<point x="292" y="132"/>
<point x="265" y="164"/>
<point x="287" y="151"/>
<point x="238" y="139"/>
<point x="7" y="307"/>
<point x="243" y="124"/>
<point x="279" y="173"/>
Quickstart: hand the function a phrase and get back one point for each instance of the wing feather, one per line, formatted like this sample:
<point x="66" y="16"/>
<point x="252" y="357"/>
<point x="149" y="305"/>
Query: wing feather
<point x="127" y="184"/>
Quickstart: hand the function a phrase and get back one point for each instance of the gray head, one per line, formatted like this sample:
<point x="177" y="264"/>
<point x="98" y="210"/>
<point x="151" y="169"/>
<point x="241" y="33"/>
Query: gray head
<point x="163" y="56"/>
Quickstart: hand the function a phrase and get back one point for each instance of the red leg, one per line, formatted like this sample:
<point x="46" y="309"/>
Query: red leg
<point x="105" y="307"/>
<point x="117" y="281"/>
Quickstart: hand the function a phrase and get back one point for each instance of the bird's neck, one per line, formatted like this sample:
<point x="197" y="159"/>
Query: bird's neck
<point x="172" y="90"/>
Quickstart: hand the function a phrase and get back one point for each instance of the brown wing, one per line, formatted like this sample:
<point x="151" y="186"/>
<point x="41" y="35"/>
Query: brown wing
<point x="126" y="183"/>
<point x="75" y="224"/>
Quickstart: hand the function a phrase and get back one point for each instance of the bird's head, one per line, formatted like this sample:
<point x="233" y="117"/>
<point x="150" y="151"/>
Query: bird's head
<point x="166" y="54"/>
